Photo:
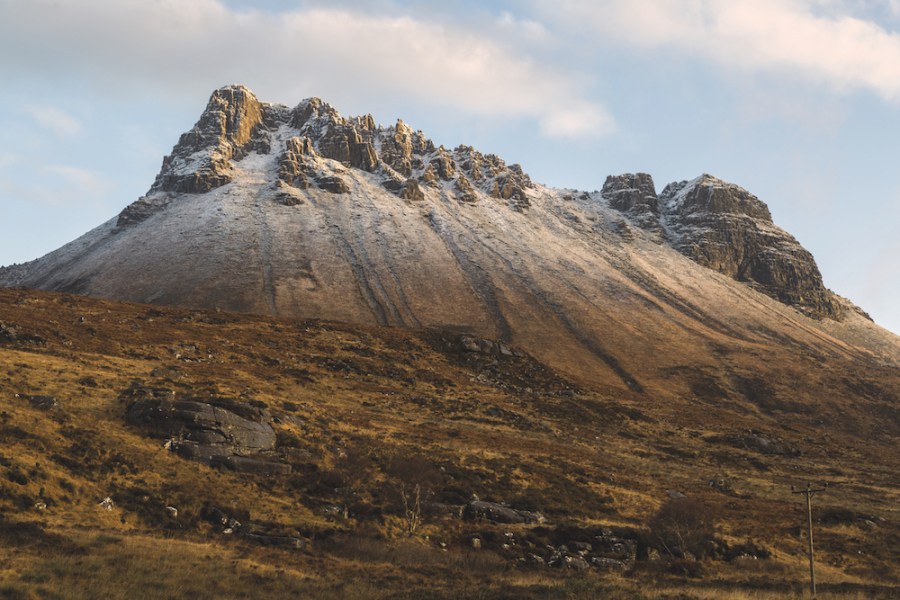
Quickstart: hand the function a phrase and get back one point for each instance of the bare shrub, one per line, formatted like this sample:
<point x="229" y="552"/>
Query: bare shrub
<point x="682" y="528"/>
<point x="416" y="481"/>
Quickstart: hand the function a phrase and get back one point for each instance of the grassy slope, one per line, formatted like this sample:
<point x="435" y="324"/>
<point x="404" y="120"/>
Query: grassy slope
<point x="504" y="428"/>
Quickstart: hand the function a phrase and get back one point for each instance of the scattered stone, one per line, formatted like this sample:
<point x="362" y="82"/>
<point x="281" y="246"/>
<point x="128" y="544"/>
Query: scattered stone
<point x="286" y="199"/>
<point x="607" y="545"/>
<point x="7" y="333"/>
<point x="498" y="513"/>
<point x="40" y="402"/>
<point x="535" y="560"/>
<point x="610" y="564"/>
<point x="468" y="343"/>
<point x="575" y="563"/>
<point x="10" y="333"/>
<point x="107" y="503"/>
<point x="243" y="464"/>
<point x="581" y="547"/>
<point x="217" y="516"/>
<point x="172" y="512"/>
<point x="279" y="541"/>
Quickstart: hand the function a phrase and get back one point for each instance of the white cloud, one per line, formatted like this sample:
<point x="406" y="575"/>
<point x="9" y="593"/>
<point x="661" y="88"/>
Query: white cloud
<point x="81" y="181"/>
<point x="56" y="185"/>
<point x="572" y="120"/>
<point x="341" y="55"/>
<point x="55" y="120"/>
<point x="820" y="40"/>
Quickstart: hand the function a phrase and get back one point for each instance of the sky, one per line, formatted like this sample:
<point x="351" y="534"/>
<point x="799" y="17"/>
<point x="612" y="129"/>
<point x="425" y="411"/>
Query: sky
<point x="798" y="101"/>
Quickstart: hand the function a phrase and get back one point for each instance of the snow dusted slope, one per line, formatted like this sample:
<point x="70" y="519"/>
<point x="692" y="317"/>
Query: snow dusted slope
<point x="300" y="212"/>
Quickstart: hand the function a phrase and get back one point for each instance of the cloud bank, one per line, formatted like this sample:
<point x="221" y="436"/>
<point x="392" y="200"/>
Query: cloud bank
<point x="829" y="42"/>
<point x="331" y="52"/>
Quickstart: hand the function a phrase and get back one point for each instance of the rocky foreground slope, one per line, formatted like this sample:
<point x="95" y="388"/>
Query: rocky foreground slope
<point x="161" y="452"/>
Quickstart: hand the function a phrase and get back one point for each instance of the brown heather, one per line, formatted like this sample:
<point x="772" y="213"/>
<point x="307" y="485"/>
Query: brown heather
<point x="349" y="402"/>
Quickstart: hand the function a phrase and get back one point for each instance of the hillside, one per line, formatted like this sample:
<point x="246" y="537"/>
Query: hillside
<point x="343" y="418"/>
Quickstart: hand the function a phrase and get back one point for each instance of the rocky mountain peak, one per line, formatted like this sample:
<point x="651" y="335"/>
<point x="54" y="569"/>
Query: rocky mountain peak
<point x="234" y="111"/>
<point x="229" y="127"/>
<point x="314" y="144"/>
<point x="724" y="227"/>
<point x="708" y="194"/>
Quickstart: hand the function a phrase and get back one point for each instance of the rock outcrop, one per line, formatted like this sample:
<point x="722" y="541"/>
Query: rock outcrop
<point x="498" y="513"/>
<point x="235" y="123"/>
<point x="294" y="167"/>
<point x="220" y="432"/>
<point x="634" y="195"/>
<point x="230" y="127"/>
<point x="724" y="227"/>
<point x="233" y="427"/>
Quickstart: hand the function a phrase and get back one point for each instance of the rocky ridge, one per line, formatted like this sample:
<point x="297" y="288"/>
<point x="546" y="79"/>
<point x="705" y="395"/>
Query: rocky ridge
<point x="236" y="123"/>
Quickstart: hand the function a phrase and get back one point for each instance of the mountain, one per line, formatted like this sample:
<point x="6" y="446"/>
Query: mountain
<point x="344" y="313"/>
<point x="300" y="212"/>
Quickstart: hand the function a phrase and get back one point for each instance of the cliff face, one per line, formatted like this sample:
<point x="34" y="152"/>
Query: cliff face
<point x="634" y="195"/>
<point x="726" y="228"/>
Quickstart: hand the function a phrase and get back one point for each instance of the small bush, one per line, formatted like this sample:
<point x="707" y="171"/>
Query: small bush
<point x="682" y="528"/>
<point x="18" y="477"/>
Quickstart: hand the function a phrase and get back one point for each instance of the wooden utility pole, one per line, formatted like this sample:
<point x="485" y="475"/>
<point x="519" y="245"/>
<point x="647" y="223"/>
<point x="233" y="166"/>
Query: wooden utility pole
<point x="808" y="492"/>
